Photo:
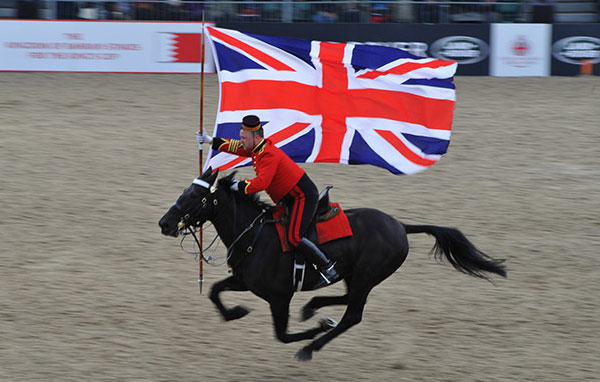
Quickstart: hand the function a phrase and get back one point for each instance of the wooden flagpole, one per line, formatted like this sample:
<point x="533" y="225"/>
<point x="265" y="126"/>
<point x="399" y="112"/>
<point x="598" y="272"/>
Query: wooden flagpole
<point x="200" y="162"/>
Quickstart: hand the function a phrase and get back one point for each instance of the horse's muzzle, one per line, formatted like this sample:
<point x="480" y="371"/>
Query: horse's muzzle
<point x="168" y="228"/>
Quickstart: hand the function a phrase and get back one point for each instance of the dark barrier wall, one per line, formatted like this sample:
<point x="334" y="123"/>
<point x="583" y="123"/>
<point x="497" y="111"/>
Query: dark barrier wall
<point x="572" y="43"/>
<point x="467" y="44"/>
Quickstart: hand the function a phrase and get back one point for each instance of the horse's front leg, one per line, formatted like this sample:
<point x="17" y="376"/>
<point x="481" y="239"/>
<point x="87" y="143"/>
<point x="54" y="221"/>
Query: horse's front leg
<point x="234" y="284"/>
<point x="280" y="310"/>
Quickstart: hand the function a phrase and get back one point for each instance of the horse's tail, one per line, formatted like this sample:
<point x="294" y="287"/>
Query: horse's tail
<point x="459" y="251"/>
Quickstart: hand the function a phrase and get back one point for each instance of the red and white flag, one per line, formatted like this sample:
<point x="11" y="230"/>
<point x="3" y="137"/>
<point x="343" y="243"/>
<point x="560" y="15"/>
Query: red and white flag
<point x="179" y="47"/>
<point x="334" y="102"/>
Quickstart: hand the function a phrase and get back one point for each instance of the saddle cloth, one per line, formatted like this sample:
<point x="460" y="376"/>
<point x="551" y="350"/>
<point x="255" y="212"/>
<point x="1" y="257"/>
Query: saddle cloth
<point x="336" y="226"/>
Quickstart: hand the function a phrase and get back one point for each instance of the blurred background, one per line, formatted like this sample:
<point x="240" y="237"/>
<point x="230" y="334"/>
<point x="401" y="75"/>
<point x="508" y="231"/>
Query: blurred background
<point x="97" y="140"/>
<point x="288" y="11"/>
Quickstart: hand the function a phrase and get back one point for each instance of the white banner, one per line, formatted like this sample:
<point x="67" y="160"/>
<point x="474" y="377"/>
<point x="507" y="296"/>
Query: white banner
<point x="103" y="46"/>
<point x="520" y="50"/>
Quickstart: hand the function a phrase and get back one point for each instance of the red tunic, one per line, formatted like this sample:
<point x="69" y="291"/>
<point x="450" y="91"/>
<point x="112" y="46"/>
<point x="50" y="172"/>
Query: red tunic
<point x="275" y="171"/>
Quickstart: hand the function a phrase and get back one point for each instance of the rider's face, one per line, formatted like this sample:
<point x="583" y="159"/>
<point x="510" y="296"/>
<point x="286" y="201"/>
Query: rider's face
<point x="248" y="139"/>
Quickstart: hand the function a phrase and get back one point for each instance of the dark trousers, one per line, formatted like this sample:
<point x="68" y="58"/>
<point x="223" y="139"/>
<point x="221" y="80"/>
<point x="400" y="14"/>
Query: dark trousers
<point x="301" y="203"/>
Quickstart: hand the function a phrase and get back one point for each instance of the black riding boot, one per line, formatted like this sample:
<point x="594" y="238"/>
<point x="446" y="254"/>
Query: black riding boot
<point x="318" y="258"/>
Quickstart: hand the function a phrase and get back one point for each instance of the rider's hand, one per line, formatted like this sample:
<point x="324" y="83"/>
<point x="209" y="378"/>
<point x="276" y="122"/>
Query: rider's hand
<point x="203" y="138"/>
<point x="239" y="186"/>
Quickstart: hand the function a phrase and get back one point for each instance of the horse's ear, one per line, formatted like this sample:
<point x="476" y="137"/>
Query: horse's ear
<point x="206" y="173"/>
<point x="213" y="177"/>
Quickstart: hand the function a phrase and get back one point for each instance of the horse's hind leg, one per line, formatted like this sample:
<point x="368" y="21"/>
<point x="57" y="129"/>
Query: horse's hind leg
<point x="280" y="310"/>
<point x="233" y="284"/>
<point x="317" y="302"/>
<point x="353" y="315"/>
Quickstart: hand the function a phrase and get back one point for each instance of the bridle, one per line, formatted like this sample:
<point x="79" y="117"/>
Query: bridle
<point x="185" y="222"/>
<point x="204" y="203"/>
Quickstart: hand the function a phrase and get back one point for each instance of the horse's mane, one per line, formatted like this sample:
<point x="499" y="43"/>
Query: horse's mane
<point x="227" y="181"/>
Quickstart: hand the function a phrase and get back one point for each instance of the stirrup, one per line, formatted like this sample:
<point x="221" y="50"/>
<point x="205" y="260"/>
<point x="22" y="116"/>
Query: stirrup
<point x="329" y="276"/>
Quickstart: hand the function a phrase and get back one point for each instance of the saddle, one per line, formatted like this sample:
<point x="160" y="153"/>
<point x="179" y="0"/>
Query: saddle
<point x="326" y="211"/>
<point x="329" y="223"/>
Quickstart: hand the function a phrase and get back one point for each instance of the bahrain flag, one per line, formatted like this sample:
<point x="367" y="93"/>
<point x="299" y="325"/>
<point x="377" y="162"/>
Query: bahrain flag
<point x="178" y="47"/>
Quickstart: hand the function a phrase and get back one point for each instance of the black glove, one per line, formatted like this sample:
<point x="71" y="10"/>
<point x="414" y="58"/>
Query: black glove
<point x="239" y="186"/>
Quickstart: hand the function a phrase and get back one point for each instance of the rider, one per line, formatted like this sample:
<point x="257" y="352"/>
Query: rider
<point x="284" y="181"/>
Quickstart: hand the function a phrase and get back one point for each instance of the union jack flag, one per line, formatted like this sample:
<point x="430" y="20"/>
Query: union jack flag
<point x="333" y="102"/>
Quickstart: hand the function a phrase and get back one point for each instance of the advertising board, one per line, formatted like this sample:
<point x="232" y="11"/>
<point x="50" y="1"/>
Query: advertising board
<point x="574" y="45"/>
<point x="174" y="47"/>
<point x="467" y="44"/>
<point x="102" y="46"/>
<point x="520" y="50"/>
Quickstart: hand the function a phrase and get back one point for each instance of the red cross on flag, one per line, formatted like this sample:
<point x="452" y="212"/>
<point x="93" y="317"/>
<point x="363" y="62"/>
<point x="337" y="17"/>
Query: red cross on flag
<point x="334" y="102"/>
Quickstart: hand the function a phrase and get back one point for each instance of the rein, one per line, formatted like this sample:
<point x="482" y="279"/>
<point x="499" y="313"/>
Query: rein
<point x="204" y="203"/>
<point x="200" y="249"/>
<point x="246" y="230"/>
<point x="230" y="249"/>
<point x="259" y="218"/>
<point x="251" y="246"/>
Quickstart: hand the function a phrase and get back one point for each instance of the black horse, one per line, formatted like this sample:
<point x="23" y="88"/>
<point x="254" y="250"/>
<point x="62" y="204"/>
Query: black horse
<point x="378" y="247"/>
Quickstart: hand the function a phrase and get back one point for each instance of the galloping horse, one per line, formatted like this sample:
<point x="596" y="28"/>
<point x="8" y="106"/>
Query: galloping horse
<point x="378" y="247"/>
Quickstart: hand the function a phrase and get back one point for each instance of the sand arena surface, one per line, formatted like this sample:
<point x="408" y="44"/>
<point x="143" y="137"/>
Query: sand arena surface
<point x="91" y="291"/>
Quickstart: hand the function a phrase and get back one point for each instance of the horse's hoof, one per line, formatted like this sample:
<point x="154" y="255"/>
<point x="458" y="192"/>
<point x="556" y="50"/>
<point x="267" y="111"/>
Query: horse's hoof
<point x="236" y="313"/>
<point x="306" y="314"/>
<point x="327" y="323"/>
<point x="303" y="355"/>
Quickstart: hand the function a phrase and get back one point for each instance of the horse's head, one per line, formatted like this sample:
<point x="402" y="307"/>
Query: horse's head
<point x="193" y="207"/>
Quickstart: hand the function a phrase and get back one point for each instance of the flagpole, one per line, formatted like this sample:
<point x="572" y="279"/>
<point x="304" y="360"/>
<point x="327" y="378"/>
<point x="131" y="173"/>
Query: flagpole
<point x="200" y="163"/>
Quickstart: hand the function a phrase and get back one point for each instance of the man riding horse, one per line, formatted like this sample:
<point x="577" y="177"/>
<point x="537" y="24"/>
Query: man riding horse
<point x="285" y="182"/>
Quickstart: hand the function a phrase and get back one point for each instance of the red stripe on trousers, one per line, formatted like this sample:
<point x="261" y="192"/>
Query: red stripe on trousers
<point x="296" y="216"/>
